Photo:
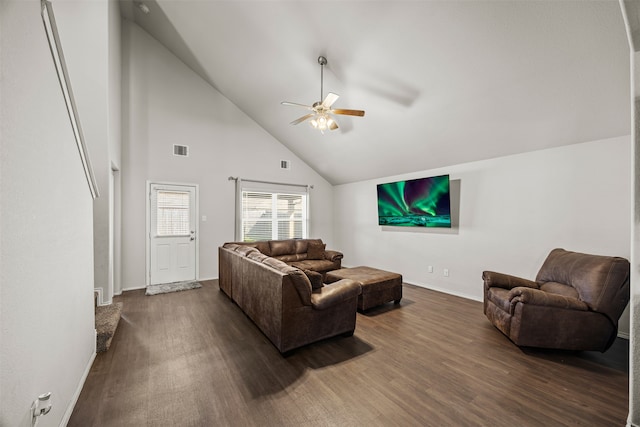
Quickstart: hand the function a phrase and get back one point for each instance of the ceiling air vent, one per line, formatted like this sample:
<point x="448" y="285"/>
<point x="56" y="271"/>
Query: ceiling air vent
<point x="180" y="150"/>
<point x="285" y="164"/>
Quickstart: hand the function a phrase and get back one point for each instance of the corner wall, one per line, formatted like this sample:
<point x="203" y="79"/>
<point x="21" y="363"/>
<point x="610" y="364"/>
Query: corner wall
<point x="90" y="35"/>
<point x="511" y="212"/>
<point x="166" y="103"/>
<point x="47" y="332"/>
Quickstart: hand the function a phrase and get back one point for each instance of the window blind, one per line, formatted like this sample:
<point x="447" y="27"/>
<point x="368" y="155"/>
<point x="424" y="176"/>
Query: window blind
<point x="173" y="213"/>
<point x="270" y="215"/>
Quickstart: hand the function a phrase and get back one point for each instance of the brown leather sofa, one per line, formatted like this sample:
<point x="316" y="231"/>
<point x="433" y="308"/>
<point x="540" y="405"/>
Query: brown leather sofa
<point x="574" y="303"/>
<point x="305" y="254"/>
<point x="281" y="299"/>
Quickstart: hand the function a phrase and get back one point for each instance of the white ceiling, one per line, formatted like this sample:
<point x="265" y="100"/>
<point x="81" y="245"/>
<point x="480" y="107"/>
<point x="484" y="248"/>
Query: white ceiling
<point x="442" y="82"/>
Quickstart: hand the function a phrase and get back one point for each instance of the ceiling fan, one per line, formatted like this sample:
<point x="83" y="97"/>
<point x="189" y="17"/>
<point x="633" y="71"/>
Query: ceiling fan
<point x="321" y="118"/>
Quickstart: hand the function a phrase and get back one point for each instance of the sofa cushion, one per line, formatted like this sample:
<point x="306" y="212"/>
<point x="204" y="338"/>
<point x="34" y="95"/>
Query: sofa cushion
<point x="275" y="263"/>
<point x="315" y="278"/>
<point x="315" y="250"/>
<point x="303" y="244"/>
<point x="245" y="250"/>
<point x="292" y="257"/>
<point x="320" y="265"/>
<point x="257" y="256"/>
<point x="282" y="247"/>
<point x="560" y="289"/>
<point x="601" y="281"/>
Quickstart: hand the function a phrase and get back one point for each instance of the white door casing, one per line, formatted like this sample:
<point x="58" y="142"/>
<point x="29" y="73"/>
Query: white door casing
<point x="172" y="228"/>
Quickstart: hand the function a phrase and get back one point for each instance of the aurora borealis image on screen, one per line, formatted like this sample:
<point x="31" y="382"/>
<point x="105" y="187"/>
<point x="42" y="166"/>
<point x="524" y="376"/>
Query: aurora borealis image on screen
<point x="422" y="202"/>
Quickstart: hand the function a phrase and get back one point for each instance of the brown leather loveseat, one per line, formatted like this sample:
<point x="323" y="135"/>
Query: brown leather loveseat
<point x="574" y="303"/>
<point x="281" y="299"/>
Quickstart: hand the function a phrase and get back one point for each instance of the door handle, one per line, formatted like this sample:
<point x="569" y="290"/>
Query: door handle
<point x="193" y="235"/>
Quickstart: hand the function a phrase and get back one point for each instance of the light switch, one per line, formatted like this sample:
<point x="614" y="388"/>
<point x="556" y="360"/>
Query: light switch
<point x="204" y="218"/>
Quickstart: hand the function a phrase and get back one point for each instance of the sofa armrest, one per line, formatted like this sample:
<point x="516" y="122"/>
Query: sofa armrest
<point x="335" y="293"/>
<point x="333" y="255"/>
<point x="547" y="299"/>
<point x="506" y="281"/>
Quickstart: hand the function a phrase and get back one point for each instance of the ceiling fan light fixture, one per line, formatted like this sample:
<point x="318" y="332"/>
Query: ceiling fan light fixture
<point x="320" y="118"/>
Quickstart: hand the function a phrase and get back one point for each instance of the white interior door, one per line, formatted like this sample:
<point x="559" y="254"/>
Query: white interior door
<point x="172" y="233"/>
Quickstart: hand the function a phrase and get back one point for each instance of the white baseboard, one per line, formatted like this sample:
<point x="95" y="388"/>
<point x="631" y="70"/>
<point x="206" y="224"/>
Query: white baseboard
<point x="76" y="395"/>
<point x="444" y="291"/>
<point x="133" y="288"/>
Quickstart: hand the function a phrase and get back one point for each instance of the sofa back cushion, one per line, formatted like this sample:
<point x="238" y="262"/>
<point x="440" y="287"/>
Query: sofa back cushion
<point x="257" y="256"/>
<point x="262" y="246"/>
<point x="282" y="247"/>
<point x="292" y="257"/>
<point x="302" y="245"/>
<point x="600" y="281"/>
<point x="275" y="263"/>
<point x="245" y="250"/>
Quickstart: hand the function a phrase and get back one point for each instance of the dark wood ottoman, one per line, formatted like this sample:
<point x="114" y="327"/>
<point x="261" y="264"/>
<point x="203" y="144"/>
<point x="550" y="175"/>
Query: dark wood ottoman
<point x="378" y="286"/>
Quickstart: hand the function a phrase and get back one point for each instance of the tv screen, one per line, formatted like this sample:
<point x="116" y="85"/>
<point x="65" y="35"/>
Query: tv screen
<point x="422" y="202"/>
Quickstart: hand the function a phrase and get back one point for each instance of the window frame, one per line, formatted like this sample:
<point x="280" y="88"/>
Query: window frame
<point x="274" y="190"/>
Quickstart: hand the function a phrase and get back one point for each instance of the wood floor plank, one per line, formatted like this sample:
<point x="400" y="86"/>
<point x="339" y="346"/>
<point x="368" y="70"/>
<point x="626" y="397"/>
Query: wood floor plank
<point x="194" y="359"/>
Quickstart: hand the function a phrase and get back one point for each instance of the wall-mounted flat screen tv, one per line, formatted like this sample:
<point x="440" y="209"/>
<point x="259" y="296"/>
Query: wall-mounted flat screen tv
<point x="422" y="202"/>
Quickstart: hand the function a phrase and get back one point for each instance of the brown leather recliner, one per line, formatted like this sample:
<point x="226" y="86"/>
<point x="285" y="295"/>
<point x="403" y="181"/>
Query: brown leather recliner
<point x="574" y="304"/>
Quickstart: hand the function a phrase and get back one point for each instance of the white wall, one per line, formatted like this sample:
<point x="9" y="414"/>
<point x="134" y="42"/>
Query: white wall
<point x="47" y="338"/>
<point x="634" y="348"/>
<point x="165" y="103"/>
<point x="91" y="39"/>
<point x="512" y="212"/>
<point x="115" y="146"/>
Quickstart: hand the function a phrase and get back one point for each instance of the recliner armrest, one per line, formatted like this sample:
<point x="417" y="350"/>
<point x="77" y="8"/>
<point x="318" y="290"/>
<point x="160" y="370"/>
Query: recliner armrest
<point x="539" y="297"/>
<point x="335" y="293"/>
<point x="506" y="281"/>
<point x="333" y="255"/>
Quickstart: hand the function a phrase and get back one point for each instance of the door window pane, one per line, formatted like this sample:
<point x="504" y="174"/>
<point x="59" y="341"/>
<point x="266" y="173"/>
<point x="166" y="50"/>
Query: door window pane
<point x="172" y="213"/>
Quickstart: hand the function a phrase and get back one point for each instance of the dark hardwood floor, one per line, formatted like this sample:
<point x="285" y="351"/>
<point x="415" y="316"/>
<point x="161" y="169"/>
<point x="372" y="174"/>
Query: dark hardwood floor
<point x="194" y="359"/>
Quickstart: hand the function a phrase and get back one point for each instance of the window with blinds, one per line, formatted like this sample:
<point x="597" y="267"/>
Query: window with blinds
<point x="267" y="216"/>
<point x="173" y="213"/>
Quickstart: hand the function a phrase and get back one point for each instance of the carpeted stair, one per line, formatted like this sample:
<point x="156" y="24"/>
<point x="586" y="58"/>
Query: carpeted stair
<point x="107" y="318"/>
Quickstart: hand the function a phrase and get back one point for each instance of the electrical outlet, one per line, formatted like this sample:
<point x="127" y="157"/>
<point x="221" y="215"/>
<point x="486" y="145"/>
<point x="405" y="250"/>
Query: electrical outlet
<point x="446" y="272"/>
<point x="430" y="269"/>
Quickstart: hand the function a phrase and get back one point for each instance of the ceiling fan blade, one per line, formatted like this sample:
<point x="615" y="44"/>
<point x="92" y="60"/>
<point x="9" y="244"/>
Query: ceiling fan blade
<point x="359" y="113"/>
<point x="295" y="104"/>
<point x="302" y="119"/>
<point x="330" y="99"/>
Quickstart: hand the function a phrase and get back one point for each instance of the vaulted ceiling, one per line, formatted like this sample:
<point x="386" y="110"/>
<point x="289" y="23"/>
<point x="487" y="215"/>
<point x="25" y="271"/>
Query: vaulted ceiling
<point x="442" y="82"/>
